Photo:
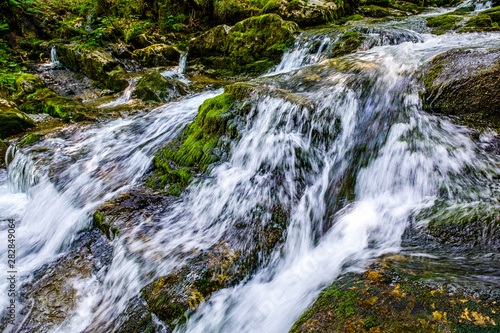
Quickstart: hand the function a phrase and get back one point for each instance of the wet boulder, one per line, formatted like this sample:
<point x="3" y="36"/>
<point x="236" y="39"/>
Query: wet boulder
<point x="464" y="83"/>
<point x="96" y="63"/>
<point x="157" y="55"/>
<point x="248" y="49"/>
<point x="462" y="226"/>
<point x="12" y="121"/>
<point x="308" y="13"/>
<point x="156" y="88"/>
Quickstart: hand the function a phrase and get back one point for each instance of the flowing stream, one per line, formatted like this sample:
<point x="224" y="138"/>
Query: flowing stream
<point x="357" y="120"/>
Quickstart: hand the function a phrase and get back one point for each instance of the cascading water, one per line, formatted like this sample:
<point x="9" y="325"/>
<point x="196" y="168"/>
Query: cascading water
<point x="53" y="58"/>
<point x="56" y="203"/>
<point x="125" y="97"/>
<point x="178" y="72"/>
<point x="347" y="152"/>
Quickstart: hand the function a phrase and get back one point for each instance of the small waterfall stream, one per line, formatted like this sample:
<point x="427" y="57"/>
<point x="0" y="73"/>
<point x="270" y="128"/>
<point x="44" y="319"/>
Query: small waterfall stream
<point x="125" y="97"/>
<point x="358" y="117"/>
<point x="53" y="58"/>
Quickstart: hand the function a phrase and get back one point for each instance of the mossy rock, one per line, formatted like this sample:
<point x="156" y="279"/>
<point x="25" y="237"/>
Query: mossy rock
<point x="174" y="297"/>
<point x="493" y="13"/>
<point x="482" y="22"/>
<point x="348" y="43"/>
<point x="248" y="49"/>
<point x="157" y="55"/>
<point x="401" y="294"/>
<point x="26" y="84"/>
<point x="308" y="13"/>
<point x="463" y="226"/>
<point x="105" y="224"/>
<point x="231" y="12"/>
<point x="205" y="141"/>
<point x="170" y="297"/>
<point x="96" y="63"/>
<point x="46" y="101"/>
<point x="155" y="87"/>
<point x="12" y="121"/>
<point x="443" y="23"/>
<point x="210" y="43"/>
<point x="29" y="139"/>
<point x="464" y="75"/>
<point x="377" y="11"/>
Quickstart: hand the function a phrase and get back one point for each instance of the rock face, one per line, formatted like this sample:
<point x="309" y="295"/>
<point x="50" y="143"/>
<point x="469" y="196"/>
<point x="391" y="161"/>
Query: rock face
<point x="157" y="55"/>
<point x="12" y="121"/>
<point x="249" y="48"/>
<point x="96" y="63"/>
<point x="155" y="87"/>
<point x="464" y="83"/>
<point x="307" y="13"/>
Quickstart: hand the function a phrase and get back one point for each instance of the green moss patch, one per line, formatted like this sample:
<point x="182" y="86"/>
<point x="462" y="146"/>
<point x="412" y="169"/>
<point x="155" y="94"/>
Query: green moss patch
<point x="104" y="224"/>
<point x="348" y="43"/>
<point x="443" y="23"/>
<point x="29" y="139"/>
<point x="46" y="101"/>
<point x="203" y="142"/>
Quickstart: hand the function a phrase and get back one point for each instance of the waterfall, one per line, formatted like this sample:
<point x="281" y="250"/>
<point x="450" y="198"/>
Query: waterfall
<point x="89" y="23"/>
<point x="106" y="160"/>
<point x="125" y="97"/>
<point x="403" y="174"/>
<point x="53" y="58"/>
<point x="178" y="72"/>
<point x="182" y="63"/>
